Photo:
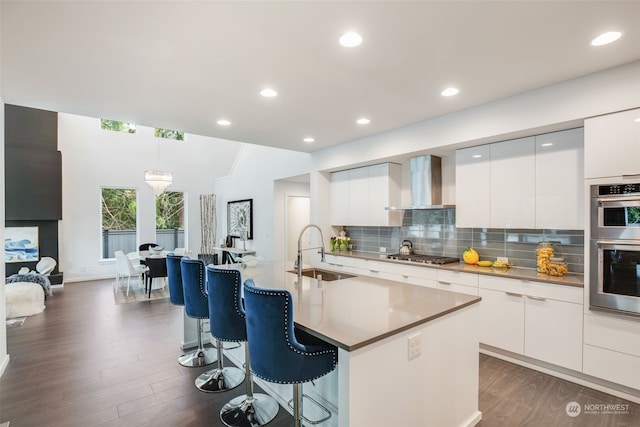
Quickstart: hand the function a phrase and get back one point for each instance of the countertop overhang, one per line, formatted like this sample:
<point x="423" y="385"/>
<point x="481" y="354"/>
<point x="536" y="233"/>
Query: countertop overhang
<point x="359" y="311"/>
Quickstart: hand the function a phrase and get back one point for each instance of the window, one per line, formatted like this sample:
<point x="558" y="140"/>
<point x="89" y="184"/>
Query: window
<point x="119" y="221"/>
<point x="170" y="220"/>
<point x="169" y="134"/>
<point x="117" y="126"/>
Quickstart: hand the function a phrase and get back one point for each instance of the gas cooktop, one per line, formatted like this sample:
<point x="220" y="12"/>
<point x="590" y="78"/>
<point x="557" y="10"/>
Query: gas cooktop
<point x="425" y="259"/>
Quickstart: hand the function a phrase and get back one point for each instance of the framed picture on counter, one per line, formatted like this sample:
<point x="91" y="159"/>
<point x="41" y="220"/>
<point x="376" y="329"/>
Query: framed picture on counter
<point x="240" y="218"/>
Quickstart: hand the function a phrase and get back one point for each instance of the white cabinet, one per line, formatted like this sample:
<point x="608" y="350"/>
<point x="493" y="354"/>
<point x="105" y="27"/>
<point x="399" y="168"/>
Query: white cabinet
<point x="553" y="331"/>
<point x="359" y="196"/>
<point x="473" y="186"/>
<point x="456" y="281"/>
<point x="560" y="180"/>
<point x="339" y="197"/>
<point x="513" y="184"/>
<point x="612" y="145"/>
<point x="536" y="319"/>
<point x="533" y="182"/>
<point x="502" y="320"/>
<point x="612" y="348"/>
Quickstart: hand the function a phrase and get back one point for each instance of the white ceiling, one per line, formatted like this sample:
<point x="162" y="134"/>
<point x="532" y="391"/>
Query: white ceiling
<point x="183" y="65"/>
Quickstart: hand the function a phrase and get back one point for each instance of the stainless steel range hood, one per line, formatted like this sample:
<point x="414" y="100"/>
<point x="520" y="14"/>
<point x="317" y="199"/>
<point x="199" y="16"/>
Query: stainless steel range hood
<point x="426" y="184"/>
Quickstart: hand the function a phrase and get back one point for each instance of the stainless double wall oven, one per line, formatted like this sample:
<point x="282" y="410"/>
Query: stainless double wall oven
<point x="615" y="248"/>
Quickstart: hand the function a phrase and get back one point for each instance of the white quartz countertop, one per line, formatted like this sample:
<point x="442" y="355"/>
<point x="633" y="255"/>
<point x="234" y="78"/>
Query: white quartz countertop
<point x="355" y="312"/>
<point x="571" y="279"/>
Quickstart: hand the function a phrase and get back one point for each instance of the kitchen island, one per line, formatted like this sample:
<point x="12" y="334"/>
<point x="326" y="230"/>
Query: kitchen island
<point x="380" y="380"/>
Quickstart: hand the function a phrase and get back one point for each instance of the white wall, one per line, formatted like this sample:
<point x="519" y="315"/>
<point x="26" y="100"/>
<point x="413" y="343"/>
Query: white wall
<point x="555" y="107"/>
<point x="4" y="357"/>
<point x="253" y="177"/>
<point x="93" y="158"/>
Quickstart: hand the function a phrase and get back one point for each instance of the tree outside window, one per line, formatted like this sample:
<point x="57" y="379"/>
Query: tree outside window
<point x="119" y="221"/>
<point x="169" y="134"/>
<point x="117" y="126"/>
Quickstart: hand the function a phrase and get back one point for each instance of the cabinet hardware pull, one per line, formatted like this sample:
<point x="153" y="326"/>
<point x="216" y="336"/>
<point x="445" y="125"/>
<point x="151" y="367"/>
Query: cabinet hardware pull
<point x="536" y="298"/>
<point x="513" y="294"/>
<point x="374" y="271"/>
<point x="405" y="276"/>
<point x="444" y="283"/>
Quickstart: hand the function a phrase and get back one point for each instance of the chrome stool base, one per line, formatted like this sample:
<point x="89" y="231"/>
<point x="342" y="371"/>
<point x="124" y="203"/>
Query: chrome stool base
<point x="217" y="380"/>
<point x="198" y="358"/>
<point x="244" y="411"/>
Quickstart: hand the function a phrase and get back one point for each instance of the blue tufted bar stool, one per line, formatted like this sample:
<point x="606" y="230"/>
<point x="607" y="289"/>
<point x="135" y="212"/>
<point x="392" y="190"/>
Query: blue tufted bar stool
<point x="281" y="353"/>
<point x="196" y="306"/>
<point x="228" y="324"/>
<point x="223" y="327"/>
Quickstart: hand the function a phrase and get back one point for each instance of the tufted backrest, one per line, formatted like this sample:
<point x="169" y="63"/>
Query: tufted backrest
<point x="225" y="304"/>
<point x="174" y="277"/>
<point x="276" y="355"/>
<point x="194" y="286"/>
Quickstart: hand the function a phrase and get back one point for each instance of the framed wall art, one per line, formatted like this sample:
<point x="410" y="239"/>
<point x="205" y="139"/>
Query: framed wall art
<point x="21" y="244"/>
<point x="240" y="218"/>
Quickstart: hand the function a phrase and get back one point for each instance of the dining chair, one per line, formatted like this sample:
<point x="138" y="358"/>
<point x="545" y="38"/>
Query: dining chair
<point x="145" y="246"/>
<point x="124" y="267"/>
<point x="157" y="268"/>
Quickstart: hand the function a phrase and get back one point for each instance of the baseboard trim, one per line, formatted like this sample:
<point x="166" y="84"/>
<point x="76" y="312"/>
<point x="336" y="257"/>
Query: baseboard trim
<point x="580" y="378"/>
<point x="3" y="365"/>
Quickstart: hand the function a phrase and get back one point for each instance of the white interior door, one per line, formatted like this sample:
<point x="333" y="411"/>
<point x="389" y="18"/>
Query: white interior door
<point x="297" y="212"/>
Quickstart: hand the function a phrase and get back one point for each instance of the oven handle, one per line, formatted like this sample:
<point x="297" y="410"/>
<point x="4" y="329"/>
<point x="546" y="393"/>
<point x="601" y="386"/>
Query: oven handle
<point x="618" y="242"/>
<point x="620" y="199"/>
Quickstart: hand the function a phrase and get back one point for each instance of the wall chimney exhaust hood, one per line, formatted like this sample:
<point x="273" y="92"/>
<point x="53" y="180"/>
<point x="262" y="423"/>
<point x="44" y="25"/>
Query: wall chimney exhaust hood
<point x="426" y="184"/>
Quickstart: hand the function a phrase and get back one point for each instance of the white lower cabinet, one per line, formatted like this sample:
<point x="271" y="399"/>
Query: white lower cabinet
<point x="535" y="319"/>
<point x="456" y="281"/>
<point x="553" y="332"/>
<point x="612" y="349"/>
<point x="502" y="320"/>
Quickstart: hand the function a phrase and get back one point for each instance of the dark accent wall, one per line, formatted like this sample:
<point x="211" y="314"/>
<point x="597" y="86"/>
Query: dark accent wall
<point x="33" y="177"/>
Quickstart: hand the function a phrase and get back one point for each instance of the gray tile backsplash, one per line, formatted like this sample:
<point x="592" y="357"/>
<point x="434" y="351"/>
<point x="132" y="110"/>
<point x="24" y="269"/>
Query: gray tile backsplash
<point x="434" y="232"/>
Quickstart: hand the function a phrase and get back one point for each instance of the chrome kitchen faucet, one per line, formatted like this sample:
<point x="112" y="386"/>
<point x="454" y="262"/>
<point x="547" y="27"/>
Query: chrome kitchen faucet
<point x="298" y="264"/>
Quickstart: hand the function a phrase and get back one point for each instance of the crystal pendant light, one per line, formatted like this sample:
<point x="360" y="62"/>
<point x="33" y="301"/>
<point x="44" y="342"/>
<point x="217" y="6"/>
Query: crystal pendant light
<point x="158" y="180"/>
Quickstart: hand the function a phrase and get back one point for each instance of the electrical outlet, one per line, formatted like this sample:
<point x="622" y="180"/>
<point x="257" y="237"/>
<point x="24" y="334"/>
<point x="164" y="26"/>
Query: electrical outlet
<point x="503" y="259"/>
<point x="383" y="250"/>
<point x="415" y="345"/>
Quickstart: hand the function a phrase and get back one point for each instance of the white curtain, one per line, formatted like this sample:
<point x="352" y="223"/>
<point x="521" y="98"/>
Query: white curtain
<point x="208" y="223"/>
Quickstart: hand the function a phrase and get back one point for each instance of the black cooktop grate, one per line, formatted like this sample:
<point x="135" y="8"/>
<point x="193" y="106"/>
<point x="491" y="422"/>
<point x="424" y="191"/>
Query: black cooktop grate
<point x="425" y="259"/>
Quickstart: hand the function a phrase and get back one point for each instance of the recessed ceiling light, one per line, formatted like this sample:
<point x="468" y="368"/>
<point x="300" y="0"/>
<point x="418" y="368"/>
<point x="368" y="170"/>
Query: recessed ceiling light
<point x="637" y="120"/>
<point x="606" y="38"/>
<point x="450" y="91"/>
<point x="363" y="121"/>
<point x="547" y="144"/>
<point x="477" y="156"/>
<point x="309" y="140"/>
<point x="268" y="93"/>
<point x="223" y="122"/>
<point x="351" y="39"/>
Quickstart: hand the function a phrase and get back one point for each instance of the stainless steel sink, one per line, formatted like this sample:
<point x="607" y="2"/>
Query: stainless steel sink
<point x="327" y="275"/>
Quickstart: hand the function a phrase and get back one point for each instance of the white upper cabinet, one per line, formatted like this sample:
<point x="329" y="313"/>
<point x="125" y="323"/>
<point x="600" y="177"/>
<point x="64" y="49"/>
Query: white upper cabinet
<point x="612" y="145"/>
<point x="358" y="201"/>
<point x="513" y="184"/>
<point x="359" y="196"/>
<point x="560" y="180"/>
<point x="533" y="182"/>
<point x="473" y="186"/>
<point x="340" y="197"/>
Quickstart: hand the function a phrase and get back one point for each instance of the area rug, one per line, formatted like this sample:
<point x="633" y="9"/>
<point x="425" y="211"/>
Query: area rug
<point x="15" y="322"/>
<point x="137" y="294"/>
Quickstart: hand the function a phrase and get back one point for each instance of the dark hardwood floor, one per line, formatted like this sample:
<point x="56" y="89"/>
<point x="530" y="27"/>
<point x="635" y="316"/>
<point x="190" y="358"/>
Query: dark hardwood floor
<point x="88" y="362"/>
